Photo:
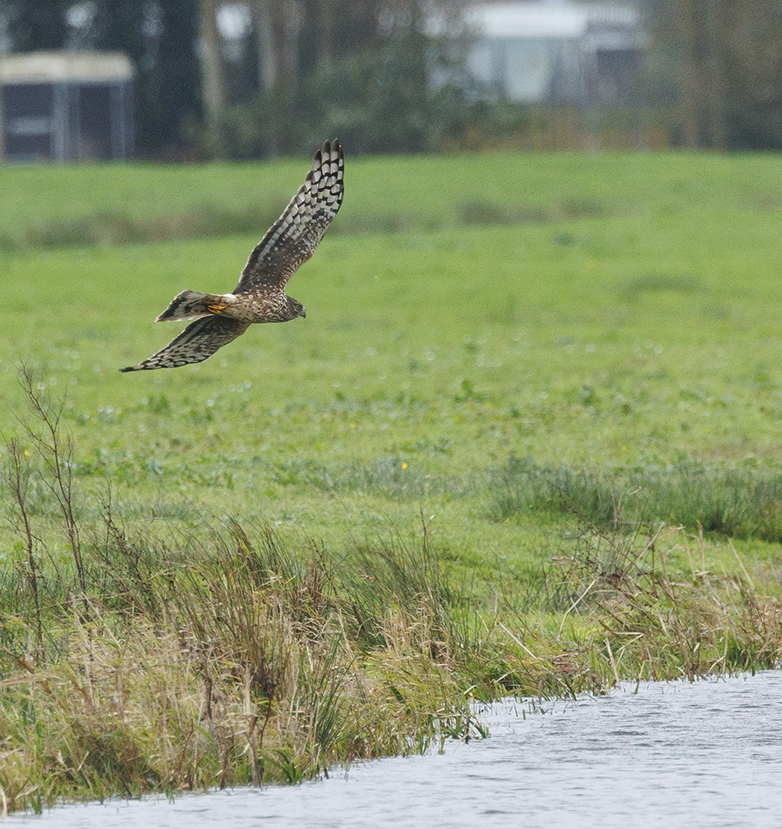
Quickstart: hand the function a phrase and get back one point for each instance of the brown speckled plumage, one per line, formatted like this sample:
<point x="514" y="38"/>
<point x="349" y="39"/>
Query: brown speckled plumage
<point x="260" y="295"/>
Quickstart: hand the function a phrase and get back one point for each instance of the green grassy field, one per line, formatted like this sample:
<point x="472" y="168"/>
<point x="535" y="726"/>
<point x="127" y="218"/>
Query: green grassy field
<point x="530" y="352"/>
<point x="641" y="335"/>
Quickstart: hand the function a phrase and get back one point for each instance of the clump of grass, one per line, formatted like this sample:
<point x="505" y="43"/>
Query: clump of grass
<point x="482" y="212"/>
<point x="391" y="477"/>
<point x="523" y="487"/>
<point x="102" y="229"/>
<point x="583" y="208"/>
<point x="733" y="502"/>
<point x="487" y="213"/>
<point x="653" y="283"/>
<point x="236" y="660"/>
<point x="660" y="616"/>
<point x="631" y="602"/>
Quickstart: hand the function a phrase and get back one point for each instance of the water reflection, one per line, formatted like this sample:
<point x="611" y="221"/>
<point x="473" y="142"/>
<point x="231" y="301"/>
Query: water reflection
<point x="707" y="754"/>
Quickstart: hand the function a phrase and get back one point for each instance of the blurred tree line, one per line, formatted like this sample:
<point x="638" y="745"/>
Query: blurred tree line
<point x="277" y="76"/>
<point x="717" y="65"/>
<point x="289" y="73"/>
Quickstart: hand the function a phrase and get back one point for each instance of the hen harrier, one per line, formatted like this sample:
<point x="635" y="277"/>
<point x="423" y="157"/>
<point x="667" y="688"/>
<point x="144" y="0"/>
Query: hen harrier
<point x="260" y="295"/>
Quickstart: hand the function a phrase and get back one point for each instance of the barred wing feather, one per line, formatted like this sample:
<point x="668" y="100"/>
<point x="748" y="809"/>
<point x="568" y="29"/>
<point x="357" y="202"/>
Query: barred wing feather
<point x="197" y="342"/>
<point x="292" y="239"/>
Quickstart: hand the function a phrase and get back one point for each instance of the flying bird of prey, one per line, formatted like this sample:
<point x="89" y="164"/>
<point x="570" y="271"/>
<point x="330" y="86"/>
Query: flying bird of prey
<point x="260" y="295"/>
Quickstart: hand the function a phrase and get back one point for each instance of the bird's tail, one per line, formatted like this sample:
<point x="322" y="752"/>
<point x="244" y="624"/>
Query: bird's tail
<point x="191" y="305"/>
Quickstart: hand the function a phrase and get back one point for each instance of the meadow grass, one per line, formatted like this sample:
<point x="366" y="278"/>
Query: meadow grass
<point x="526" y="441"/>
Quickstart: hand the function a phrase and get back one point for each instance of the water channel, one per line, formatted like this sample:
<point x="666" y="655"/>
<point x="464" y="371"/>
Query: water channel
<point x="705" y="754"/>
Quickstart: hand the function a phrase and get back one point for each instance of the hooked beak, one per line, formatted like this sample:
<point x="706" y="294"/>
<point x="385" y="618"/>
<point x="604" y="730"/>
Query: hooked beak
<point x="303" y="312"/>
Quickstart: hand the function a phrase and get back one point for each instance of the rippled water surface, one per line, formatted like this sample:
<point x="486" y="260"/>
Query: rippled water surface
<point x="707" y="754"/>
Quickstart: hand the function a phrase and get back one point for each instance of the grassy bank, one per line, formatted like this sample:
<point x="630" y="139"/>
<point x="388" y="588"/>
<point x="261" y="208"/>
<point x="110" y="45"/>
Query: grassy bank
<point x="526" y="441"/>
<point x="145" y="657"/>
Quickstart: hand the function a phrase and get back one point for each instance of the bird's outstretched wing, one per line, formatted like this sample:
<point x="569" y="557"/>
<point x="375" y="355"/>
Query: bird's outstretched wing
<point x="292" y="239"/>
<point x="197" y="342"/>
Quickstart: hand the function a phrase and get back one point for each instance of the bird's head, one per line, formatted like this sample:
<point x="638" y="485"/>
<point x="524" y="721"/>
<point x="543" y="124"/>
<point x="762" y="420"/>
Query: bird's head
<point x="296" y="309"/>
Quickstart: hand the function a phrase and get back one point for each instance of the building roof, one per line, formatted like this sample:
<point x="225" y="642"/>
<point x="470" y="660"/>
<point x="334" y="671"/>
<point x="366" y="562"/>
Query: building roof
<point x="561" y="20"/>
<point x="65" y="67"/>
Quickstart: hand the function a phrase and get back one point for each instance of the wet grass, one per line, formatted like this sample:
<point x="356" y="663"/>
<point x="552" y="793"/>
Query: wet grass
<point x="526" y="441"/>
